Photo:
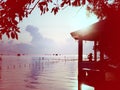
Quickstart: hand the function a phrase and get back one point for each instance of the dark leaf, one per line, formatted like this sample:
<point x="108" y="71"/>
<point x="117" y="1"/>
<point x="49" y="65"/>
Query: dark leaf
<point x="47" y="9"/>
<point x="0" y="36"/>
<point x="27" y="14"/>
<point x="83" y="2"/>
<point x="12" y="35"/>
<point x="65" y="2"/>
<point x="49" y="1"/>
<point x="90" y="1"/>
<point x="16" y="35"/>
<point x="15" y="22"/>
<point x="43" y="3"/>
<point x="88" y="8"/>
<point x="69" y="2"/>
<point x="7" y="33"/>
<point x="20" y="18"/>
<point x="43" y="7"/>
<point x="52" y="10"/>
<point x="55" y="10"/>
<point x="32" y="1"/>
<point x="3" y="31"/>
<point x="17" y="30"/>
<point x="62" y="4"/>
<point x="76" y="3"/>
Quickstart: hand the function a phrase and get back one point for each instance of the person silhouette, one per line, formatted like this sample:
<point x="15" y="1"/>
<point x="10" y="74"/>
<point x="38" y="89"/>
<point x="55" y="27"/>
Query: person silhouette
<point x="90" y="56"/>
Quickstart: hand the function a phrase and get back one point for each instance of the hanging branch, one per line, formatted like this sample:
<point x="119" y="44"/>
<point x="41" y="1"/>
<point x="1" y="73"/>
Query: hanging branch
<point x="34" y="6"/>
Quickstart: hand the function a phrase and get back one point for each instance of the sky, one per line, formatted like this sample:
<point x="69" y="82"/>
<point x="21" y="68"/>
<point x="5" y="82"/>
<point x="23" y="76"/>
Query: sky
<point x="49" y="33"/>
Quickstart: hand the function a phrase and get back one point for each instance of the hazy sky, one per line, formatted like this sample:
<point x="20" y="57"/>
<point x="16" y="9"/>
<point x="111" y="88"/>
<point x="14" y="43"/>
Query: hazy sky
<point x="50" y="33"/>
<point x="58" y="27"/>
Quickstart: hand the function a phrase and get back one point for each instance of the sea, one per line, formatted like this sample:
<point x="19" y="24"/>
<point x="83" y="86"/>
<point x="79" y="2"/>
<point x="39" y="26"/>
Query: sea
<point x="39" y="72"/>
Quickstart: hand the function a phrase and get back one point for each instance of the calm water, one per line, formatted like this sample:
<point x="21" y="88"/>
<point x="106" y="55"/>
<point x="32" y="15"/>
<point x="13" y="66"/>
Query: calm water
<point x="33" y="73"/>
<point x="38" y="73"/>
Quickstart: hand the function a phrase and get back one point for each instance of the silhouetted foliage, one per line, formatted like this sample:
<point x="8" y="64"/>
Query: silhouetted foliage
<point x="13" y="11"/>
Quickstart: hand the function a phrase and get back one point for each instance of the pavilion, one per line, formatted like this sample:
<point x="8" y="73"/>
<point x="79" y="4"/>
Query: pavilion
<point x="105" y="35"/>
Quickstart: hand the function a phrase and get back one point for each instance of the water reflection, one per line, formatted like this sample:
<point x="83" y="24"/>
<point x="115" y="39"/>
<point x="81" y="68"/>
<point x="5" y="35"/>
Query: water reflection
<point x="28" y="73"/>
<point x="35" y="73"/>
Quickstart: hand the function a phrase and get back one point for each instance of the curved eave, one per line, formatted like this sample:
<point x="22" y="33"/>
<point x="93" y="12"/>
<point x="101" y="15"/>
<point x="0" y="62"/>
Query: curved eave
<point x="76" y="35"/>
<point x="91" y="33"/>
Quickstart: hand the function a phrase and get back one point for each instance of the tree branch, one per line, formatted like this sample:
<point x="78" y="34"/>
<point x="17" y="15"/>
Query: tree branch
<point x="34" y="7"/>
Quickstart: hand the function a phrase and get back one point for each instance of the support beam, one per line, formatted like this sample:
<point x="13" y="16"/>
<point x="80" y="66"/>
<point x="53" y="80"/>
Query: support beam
<point x="101" y="56"/>
<point x="80" y="71"/>
<point x="101" y="52"/>
<point x="95" y="50"/>
<point x="80" y="50"/>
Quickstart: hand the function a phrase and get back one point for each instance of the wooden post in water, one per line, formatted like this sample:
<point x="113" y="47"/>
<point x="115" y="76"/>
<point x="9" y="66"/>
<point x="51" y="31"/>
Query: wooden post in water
<point x="80" y="53"/>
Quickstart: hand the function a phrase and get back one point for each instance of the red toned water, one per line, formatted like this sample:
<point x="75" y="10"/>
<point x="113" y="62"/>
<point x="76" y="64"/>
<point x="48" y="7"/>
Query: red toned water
<point x="35" y="73"/>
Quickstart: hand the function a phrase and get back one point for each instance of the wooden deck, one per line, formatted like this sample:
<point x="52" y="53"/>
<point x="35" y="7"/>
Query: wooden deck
<point x="92" y="65"/>
<point x="98" y="75"/>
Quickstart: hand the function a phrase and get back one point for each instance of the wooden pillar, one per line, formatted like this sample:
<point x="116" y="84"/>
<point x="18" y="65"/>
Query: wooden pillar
<point x="95" y="50"/>
<point x="101" y="52"/>
<point x="101" y="55"/>
<point x="80" y="54"/>
<point x="80" y="50"/>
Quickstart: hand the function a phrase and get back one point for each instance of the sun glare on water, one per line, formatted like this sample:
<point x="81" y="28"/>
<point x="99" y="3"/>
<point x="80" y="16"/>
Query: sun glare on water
<point x="86" y="87"/>
<point x="83" y="87"/>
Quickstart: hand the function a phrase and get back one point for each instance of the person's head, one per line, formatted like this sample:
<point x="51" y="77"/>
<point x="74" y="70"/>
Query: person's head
<point x="90" y="53"/>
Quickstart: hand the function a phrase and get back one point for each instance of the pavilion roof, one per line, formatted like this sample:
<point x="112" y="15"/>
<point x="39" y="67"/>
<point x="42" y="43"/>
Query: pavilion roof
<point x="107" y="32"/>
<point x="91" y="33"/>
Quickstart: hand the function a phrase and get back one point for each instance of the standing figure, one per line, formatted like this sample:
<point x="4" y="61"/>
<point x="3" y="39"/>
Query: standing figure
<point x="90" y="57"/>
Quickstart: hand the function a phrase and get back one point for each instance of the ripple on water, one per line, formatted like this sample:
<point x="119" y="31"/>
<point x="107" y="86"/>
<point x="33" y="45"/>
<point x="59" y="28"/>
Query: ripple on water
<point x="23" y="73"/>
